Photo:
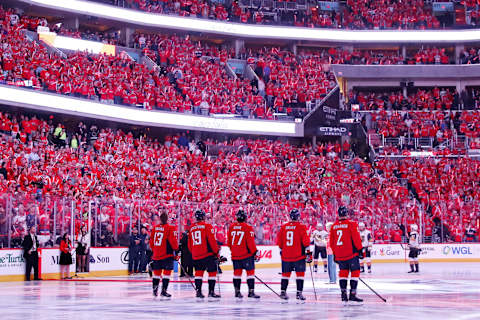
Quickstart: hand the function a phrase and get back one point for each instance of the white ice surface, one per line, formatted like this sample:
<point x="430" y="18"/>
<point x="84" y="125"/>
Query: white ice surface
<point x="439" y="291"/>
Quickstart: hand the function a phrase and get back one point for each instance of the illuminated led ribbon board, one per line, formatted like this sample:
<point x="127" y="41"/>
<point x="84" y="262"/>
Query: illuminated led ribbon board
<point x="29" y="98"/>
<point x="74" y="44"/>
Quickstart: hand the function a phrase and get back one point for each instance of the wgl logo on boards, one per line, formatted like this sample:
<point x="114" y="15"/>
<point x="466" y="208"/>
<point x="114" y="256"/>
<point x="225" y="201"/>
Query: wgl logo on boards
<point x="455" y="250"/>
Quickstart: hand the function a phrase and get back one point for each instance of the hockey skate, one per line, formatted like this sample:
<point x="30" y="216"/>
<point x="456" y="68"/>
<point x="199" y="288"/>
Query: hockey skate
<point x="200" y="295"/>
<point x="155" y="291"/>
<point x="238" y="295"/>
<point x="252" y="295"/>
<point x="212" y="296"/>
<point x="354" y="300"/>
<point x="300" y="297"/>
<point x="283" y="295"/>
<point x="165" y="295"/>
<point x="344" y="298"/>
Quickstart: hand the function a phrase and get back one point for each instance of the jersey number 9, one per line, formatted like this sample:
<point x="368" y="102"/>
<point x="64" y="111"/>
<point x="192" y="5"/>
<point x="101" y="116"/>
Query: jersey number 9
<point x="289" y="238"/>
<point x="197" y="238"/>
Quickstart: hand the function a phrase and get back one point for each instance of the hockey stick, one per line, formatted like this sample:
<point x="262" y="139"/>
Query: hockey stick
<point x="218" y="277"/>
<point x="313" y="282"/>
<point x="266" y="285"/>
<point x="383" y="299"/>
<point x="189" y="280"/>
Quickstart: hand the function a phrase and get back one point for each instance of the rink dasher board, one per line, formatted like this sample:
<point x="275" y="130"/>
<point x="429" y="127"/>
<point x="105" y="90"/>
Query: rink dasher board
<point x="114" y="261"/>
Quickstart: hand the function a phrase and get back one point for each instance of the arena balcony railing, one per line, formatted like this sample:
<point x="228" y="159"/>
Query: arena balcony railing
<point x="145" y="19"/>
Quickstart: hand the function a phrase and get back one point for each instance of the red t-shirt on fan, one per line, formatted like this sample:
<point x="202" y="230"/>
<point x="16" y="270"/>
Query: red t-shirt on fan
<point x="345" y="240"/>
<point x="293" y="240"/>
<point x="241" y="241"/>
<point x="201" y="241"/>
<point x="163" y="241"/>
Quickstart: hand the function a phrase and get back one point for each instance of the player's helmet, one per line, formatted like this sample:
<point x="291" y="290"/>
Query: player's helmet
<point x="361" y="225"/>
<point x="329" y="225"/>
<point x="342" y="212"/>
<point x="319" y="226"/>
<point x="241" y="216"/>
<point x="414" y="227"/>
<point x="294" y="215"/>
<point x="199" y="215"/>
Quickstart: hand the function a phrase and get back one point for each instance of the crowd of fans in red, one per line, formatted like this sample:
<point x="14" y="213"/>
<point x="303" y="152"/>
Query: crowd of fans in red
<point x="290" y="80"/>
<point x="430" y="114"/>
<point x="354" y="14"/>
<point x="191" y="76"/>
<point x="45" y="166"/>
<point x="424" y="55"/>
<point x="185" y="82"/>
<point x="418" y="99"/>
<point x="151" y="43"/>
<point x="470" y="56"/>
<point x="33" y="22"/>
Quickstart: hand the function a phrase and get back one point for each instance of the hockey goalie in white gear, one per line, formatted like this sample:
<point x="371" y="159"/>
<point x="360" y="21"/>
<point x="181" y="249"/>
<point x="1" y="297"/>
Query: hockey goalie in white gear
<point x="414" y="248"/>
<point x="319" y="239"/>
<point x="367" y="241"/>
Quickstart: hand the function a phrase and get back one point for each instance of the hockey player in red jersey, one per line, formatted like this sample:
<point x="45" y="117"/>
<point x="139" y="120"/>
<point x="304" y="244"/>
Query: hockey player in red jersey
<point x="241" y="241"/>
<point x="346" y="243"/>
<point x="164" y="243"/>
<point x="203" y="246"/>
<point x="293" y="241"/>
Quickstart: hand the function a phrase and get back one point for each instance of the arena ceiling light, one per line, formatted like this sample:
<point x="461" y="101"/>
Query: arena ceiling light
<point x="80" y="107"/>
<point x="260" y="31"/>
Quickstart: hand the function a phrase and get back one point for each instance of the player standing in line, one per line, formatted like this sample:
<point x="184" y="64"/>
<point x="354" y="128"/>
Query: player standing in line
<point x="293" y="241"/>
<point x="367" y="241"/>
<point x="203" y="246"/>
<point x="414" y="246"/>
<point x="346" y="243"/>
<point x="241" y="241"/>
<point x="319" y="238"/>
<point x="164" y="243"/>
